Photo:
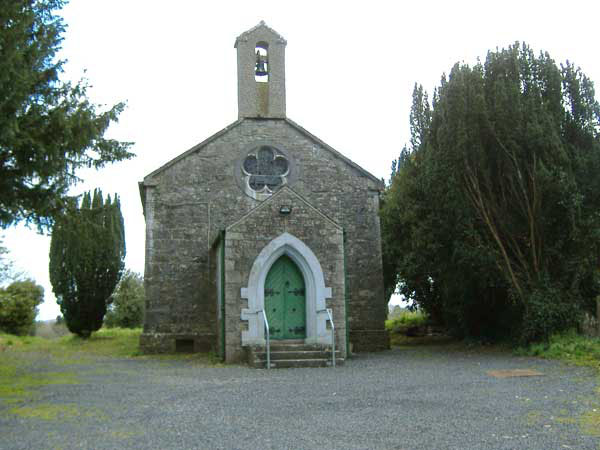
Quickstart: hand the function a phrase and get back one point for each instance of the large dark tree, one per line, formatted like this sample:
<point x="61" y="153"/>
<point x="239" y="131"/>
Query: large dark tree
<point x="87" y="253"/>
<point x="492" y="216"/>
<point x="48" y="128"/>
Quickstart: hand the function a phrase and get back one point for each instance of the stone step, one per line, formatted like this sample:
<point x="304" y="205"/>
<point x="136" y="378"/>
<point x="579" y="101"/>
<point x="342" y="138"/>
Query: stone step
<point x="297" y="363"/>
<point x="297" y="347"/>
<point x="296" y="354"/>
<point x="293" y="354"/>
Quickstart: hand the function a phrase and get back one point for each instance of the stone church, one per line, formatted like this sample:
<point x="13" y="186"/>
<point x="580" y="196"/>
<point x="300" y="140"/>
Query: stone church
<point x="262" y="219"/>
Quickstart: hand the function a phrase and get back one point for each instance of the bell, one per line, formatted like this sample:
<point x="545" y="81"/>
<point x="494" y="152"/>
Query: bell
<point x="260" y="65"/>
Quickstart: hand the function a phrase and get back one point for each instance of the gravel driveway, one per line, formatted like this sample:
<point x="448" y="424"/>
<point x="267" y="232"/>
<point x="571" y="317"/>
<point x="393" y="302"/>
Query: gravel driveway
<point x="406" y="398"/>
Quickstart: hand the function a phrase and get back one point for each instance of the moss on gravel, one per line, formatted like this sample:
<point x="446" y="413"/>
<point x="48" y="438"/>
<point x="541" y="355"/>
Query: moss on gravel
<point x="18" y="383"/>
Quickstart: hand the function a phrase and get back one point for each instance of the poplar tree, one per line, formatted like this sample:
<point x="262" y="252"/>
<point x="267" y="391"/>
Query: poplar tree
<point x="87" y="253"/>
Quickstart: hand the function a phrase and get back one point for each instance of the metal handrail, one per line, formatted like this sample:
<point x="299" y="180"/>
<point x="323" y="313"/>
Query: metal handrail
<point x="329" y="313"/>
<point x="266" y="322"/>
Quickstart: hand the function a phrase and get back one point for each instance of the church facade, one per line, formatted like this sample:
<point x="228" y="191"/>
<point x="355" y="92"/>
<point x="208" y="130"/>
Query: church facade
<point x="262" y="216"/>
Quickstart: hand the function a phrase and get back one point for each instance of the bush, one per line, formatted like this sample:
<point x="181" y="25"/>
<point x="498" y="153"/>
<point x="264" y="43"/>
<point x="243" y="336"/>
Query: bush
<point x="569" y="346"/>
<point x="406" y="319"/>
<point x="128" y="301"/>
<point x="18" y="306"/>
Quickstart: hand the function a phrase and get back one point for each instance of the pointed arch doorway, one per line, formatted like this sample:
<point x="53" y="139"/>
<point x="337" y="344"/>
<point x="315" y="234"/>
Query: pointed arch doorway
<point x="315" y="291"/>
<point x="285" y="300"/>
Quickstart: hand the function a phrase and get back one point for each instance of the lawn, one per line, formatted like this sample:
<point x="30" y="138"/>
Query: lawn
<point x="114" y="342"/>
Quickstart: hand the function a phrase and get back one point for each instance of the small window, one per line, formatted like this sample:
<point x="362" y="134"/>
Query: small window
<point x="261" y="70"/>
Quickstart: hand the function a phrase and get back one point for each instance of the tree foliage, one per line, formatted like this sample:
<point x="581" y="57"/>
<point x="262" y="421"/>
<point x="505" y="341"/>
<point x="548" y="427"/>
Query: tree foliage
<point x="18" y="306"/>
<point x="48" y="128"/>
<point x="128" y="302"/>
<point x="87" y="253"/>
<point x="5" y="264"/>
<point x="491" y="219"/>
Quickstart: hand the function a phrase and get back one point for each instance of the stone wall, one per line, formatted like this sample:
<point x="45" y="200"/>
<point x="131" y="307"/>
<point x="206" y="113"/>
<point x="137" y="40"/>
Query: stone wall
<point x="245" y="240"/>
<point x="192" y="198"/>
<point x="369" y="340"/>
<point x="261" y="99"/>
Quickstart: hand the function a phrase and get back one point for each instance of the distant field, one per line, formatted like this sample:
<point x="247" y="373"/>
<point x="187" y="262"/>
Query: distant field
<point x="57" y="341"/>
<point x="50" y="329"/>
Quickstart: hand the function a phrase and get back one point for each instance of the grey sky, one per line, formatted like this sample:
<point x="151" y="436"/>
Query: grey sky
<point x="350" y="71"/>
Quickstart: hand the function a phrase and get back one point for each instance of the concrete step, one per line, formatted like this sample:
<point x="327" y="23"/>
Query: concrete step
<point x="293" y="354"/>
<point x="297" y="363"/>
<point x="296" y="354"/>
<point x="277" y="347"/>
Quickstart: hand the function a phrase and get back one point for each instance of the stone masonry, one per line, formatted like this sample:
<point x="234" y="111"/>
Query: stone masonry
<point x="246" y="238"/>
<point x="190" y="201"/>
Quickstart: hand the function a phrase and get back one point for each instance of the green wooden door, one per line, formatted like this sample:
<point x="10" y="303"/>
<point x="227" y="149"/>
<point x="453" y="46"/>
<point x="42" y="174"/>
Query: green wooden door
<point x="285" y="303"/>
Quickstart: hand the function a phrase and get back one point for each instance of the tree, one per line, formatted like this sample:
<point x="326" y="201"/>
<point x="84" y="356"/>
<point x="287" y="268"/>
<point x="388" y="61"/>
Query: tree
<point x="87" y="253"/>
<point x="128" y="302"/>
<point x="493" y="213"/>
<point x="48" y="128"/>
<point x="18" y="306"/>
<point x="8" y="272"/>
<point x="5" y="264"/>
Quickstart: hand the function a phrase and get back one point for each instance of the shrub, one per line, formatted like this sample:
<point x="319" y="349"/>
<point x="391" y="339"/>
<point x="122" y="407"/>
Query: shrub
<point x="406" y="319"/>
<point x="18" y="306"/>
<point x="127" y="307"/>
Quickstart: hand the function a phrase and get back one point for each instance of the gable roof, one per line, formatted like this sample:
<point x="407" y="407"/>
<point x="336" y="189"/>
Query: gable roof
<point x="283" y="190"/>
<point x="201" y="145"/>
<point x="335" y="152"/>
<point x="195" y="148"/>
<point x="244" y="36"/>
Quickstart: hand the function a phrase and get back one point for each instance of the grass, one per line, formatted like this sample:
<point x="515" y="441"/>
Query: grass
<point x="405" y="319"/>
<point x="570" y="347"/>
<point x="114" y="342"/>
<point x="28" y="363"/>
<point x="106" y="342"/>
<point x="399" y="323"/>
<point x="19" y="382"/>
<point x="574" y="349"/>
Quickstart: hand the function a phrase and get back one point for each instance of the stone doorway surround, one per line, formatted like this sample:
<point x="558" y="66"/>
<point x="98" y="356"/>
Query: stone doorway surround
<point x="316" y="292"/>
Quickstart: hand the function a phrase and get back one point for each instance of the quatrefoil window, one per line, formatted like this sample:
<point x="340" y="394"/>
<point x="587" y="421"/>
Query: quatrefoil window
<point x="265" y="169"/>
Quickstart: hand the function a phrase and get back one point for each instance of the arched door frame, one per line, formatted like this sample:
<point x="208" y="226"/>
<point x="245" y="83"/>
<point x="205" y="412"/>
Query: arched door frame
<point x="316" y="292"/>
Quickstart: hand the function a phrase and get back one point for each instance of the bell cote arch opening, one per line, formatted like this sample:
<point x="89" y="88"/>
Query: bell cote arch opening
<point x="261" y="70"/>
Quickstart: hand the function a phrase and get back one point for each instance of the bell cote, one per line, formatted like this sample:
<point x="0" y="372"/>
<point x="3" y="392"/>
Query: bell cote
<point x="261" y="73"/>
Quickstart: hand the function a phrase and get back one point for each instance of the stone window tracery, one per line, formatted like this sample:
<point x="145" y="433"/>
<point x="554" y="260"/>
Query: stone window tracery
<point x="265" y="169"/>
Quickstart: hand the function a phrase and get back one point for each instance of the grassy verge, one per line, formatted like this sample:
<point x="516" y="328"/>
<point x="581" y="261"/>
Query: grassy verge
<point x="115" y="342"/>
<point x="575" y="349"/>
<point x="107" y="342"/>
<point x="405" y="319"/>
<point x="570" y="347"/>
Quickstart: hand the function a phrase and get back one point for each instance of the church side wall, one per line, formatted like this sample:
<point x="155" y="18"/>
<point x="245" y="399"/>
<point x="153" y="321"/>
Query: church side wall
<point x="199" y="195"/>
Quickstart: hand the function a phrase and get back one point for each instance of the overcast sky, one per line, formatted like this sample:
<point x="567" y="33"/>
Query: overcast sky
<point x="350" y="72"/>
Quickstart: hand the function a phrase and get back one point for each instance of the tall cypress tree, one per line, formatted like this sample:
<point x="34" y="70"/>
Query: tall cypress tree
<point x="87" y="253"/>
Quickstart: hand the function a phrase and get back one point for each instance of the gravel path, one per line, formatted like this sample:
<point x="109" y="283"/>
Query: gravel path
<point x="416" y="398"/>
